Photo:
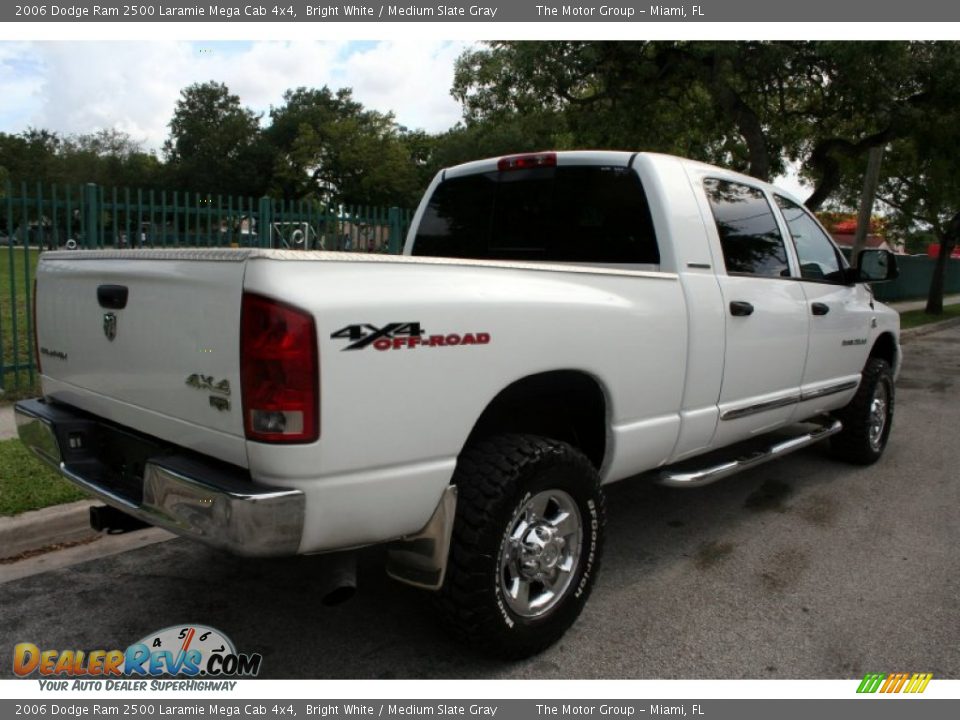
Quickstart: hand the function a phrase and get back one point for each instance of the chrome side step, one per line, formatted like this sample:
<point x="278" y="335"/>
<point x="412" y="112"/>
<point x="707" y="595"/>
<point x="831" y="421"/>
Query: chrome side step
<point x="677" y="477"/>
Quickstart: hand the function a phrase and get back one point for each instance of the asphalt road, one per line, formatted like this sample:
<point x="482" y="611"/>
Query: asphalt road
<point x="803" y="568"/>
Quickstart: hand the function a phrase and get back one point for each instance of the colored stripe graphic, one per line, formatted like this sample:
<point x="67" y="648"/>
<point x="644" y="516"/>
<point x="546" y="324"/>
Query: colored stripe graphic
<point x="919" y="682"/>
<point x="898" y="680"/>
<point x="894" y="682"/>
<point x="871" y="682"/>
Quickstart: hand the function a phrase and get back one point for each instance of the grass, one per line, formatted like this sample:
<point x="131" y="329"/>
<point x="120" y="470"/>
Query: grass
<point x="915" y="318"/>
<point x="14" y="313"/>
<point x="28" y="484"/>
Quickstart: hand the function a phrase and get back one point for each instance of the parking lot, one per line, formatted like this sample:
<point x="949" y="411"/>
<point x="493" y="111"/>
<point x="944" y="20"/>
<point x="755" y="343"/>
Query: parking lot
<point x="802" y="568"/>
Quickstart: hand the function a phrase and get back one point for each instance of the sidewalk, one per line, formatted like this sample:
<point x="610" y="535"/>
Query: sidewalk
<point x="8" y="426"/>
<point x="904" y="305"/>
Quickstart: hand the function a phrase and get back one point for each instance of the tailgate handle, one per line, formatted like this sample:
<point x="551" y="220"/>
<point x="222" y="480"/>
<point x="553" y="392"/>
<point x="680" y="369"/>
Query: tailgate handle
<point x="112" y="297"/>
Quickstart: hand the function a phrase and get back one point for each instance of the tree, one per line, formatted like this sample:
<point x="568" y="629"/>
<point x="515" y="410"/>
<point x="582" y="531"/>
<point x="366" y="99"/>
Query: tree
<point x="215" y="143"/>
<point x="514" y="134"/>
<point x="328" y="147"/>
<point x="752" y="106"/>
<point x="107" y="157"/>
<point x="920" y="174"/>
<point x="922" y="185"/>
<point x="591" y="94"/>
<point x="29" y="155"/>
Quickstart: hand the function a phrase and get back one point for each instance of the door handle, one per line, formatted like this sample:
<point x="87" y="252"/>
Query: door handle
<point x="740" y="308"/>
<point x="820" y="308"/>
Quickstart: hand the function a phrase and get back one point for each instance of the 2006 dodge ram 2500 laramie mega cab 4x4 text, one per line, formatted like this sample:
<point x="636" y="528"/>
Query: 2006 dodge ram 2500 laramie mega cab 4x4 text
<point x="558" y="321"/>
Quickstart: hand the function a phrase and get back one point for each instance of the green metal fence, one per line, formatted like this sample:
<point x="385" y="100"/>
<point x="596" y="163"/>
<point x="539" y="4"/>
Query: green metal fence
<point x="914" y="280"/>
<point x="35" y="217"/>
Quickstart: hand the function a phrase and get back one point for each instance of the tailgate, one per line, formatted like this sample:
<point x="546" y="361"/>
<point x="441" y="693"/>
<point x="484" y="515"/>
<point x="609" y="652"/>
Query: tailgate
<point x="149" y="339"/>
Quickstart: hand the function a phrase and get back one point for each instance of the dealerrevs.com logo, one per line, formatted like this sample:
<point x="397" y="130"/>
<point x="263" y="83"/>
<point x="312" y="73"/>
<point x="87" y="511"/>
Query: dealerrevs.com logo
<point x="189" y="651"/>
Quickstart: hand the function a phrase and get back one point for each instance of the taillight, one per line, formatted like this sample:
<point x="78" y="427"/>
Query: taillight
<point x="279" y="372"/>
<point x="36" y="331"/>
<point x="525" y="162"/>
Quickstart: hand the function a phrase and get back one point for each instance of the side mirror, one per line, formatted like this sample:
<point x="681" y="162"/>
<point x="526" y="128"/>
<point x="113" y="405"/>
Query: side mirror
<point x="875" y="266"/>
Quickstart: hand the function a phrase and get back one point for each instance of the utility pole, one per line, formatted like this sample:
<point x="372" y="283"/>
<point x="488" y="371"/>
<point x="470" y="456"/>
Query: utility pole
<point x="870" y="182"/>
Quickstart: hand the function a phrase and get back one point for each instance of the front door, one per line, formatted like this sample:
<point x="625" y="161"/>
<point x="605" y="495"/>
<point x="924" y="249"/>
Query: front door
<point x="840" y="315"/>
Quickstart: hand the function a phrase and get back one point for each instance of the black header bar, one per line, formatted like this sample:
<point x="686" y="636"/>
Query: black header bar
<point x="485" y="11"/>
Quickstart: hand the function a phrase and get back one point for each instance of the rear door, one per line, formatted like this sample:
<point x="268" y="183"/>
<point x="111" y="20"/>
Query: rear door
<point x="766" y="312"/>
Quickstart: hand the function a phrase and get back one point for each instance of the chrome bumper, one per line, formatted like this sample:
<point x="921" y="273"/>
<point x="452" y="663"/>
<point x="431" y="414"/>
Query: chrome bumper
<point x="187" y="494"/>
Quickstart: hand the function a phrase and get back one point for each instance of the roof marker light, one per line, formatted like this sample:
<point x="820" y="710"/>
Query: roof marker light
<point x="528" y="161"/>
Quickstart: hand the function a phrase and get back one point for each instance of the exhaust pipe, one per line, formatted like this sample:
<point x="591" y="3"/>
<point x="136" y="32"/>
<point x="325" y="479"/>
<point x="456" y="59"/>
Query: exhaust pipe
<point x="340" y="569"/>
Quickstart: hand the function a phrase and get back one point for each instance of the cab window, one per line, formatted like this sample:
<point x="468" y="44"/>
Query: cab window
<point x="819" y="259"/>
<point x="749" y="236"/>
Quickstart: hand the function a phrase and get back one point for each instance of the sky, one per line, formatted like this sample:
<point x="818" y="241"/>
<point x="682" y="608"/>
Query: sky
<point x="80" y="87"/>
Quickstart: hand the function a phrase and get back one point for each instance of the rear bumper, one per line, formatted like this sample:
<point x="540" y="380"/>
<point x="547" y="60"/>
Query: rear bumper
<point x="163" y="485"/>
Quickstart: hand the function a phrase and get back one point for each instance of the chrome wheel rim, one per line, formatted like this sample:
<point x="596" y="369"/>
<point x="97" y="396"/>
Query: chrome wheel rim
<point x="540" y="553"/>
<point x="878" y="415"/>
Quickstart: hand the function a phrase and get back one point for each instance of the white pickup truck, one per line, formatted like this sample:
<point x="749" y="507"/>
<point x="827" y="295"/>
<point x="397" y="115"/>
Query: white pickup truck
<point x="558" y="321"/>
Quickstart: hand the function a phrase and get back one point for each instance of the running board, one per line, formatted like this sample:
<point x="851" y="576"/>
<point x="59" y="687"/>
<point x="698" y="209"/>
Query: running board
<point x="682" y="476"/>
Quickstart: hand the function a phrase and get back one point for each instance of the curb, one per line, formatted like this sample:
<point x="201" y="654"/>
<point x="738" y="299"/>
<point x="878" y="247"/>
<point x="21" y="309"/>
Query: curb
<point x="49" y="526"/>
<point x="8" y="425"/>
<point x="914" y="333"/>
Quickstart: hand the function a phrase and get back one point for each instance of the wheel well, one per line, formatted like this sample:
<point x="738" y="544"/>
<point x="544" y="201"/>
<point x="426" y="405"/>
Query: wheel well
<point x="565" y="405"/>
<point x="885" y="348"/>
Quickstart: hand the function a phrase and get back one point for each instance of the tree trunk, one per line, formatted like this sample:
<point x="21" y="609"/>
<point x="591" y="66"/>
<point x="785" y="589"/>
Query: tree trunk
<point x="948" y="241"/>
<point x="747" y="121"/>
<point x="935" y="296"/>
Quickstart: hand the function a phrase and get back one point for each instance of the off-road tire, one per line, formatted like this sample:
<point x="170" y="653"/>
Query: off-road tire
<point x="859" y="442"/>
<point x="496" y="479"/>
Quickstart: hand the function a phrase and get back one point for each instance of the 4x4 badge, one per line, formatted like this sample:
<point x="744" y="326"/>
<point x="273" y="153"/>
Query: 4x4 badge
<point x="110" y="325"/>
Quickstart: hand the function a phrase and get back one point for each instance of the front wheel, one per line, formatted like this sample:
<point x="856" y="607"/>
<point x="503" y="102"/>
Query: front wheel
<point x="526" y="544"/>
<point x="868" y="417"/>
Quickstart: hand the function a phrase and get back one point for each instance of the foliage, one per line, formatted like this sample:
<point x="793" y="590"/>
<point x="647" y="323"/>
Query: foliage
<point x="917" y="243"/>
<point x="213" y="142"/>
<point x="27" y="484"/>
<point x="326" y="146"/>
<point x="622" y="95"/>
<point x="29" y="154"/>
<point x="920" y="174"/>
<point x="752" y="106"/>
<point x="106" y="157"/>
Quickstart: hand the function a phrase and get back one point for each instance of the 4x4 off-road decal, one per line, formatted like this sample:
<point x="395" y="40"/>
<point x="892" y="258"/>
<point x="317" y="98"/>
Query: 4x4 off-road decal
<point x="403" y="335"/>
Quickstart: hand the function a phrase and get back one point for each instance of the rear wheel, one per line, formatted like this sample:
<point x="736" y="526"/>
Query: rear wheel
<point x="868" y="417"/>
<point x="526" y="544"/>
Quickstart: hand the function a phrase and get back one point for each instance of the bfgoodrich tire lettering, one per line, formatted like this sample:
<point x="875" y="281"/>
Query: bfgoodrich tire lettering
<point x="526" y="544"/>
<point x="868" y="417"/>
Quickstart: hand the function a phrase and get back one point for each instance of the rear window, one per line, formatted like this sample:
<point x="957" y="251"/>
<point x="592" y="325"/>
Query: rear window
<point x="587" y="214"/>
